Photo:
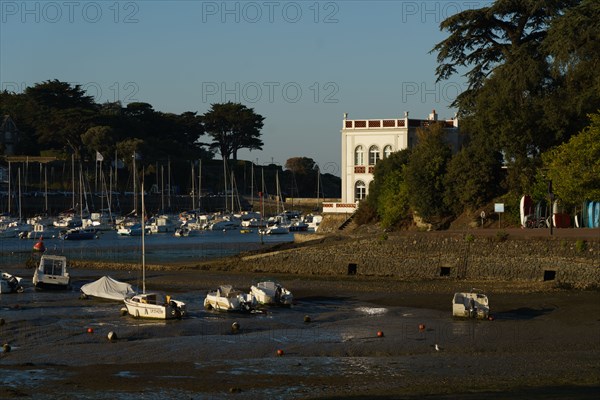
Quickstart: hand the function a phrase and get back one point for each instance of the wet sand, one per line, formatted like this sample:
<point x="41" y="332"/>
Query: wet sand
<point x="543" y="343"/>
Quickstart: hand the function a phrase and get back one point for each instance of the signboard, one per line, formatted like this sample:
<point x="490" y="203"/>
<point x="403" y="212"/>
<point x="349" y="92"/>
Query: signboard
<point x="499" y="207"/>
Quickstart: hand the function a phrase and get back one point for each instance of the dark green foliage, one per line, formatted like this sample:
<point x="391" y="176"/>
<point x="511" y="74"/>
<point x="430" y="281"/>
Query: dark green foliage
<point x="387" y="192"/>
<point x="473" y="178"/>
<point x="573" y="166"/>
<point x="365" y="213"/>
<point x="55" y="115"/>
<point x="532" y="74"/>
<point x="233" y="126"/>
<point x="424" y="173"/>
<point x="580" y="246"/>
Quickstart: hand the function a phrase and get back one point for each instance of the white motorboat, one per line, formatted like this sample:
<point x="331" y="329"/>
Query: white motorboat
<point x="275" y="230"/>
<point x="133" y="230"/>
<point x="10" y="283"/>
<point x="472" y="304"/>
<point x="186" y="231"/>
<point x="225" y="225"/>
<point x="52" y="273"/>
<point x="163" y="224"/>
<point x="271" y="293"/>
<point x="226" y="298"/>
<point x="151" y="305"/>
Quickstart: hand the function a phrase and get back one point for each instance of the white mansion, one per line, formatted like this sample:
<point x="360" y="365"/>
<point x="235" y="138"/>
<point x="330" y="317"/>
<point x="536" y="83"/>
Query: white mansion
<point x="366" y="141"/>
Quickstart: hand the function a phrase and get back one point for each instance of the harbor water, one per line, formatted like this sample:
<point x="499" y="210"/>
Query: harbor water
<point x="162" y="248"/>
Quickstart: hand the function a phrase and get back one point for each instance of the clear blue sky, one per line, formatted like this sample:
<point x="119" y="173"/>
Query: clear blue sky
<point x="300" y="64"/>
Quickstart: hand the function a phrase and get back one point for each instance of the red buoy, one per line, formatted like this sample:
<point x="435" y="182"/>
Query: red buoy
<point x="279" y="352"/>
<point x="90" y="330"/>
<point x="421" y="327"/>
<point x="379" y="333"/>
<point x="39" y="246"/>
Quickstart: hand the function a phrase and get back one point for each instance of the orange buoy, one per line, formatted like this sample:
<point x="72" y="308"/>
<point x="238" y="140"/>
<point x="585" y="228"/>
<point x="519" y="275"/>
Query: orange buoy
<point x="421" y="327"/>
<point x="279" y="352"/>
<point x="490" y="318"/>
<point x="379" y="333"/>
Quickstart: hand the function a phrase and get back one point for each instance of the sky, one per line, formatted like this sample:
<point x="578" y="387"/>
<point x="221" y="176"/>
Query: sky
<point x="300" y="64"/>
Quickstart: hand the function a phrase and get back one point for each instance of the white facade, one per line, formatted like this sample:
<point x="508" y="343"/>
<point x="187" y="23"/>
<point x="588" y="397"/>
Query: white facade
<point x="366" y="141"/>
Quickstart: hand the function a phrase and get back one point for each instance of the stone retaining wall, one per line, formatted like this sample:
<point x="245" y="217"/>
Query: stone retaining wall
<point x="569" y="262"/>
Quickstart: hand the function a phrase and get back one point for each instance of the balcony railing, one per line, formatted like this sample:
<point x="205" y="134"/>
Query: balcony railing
<point x="374" y="123"/>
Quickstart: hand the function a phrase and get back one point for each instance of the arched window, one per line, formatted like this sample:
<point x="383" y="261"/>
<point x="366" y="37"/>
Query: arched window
<point x="360" y="190"/>
<point x="373" y="155"/>
<point x="359" y="156"/>
<point x="387" y="151"/>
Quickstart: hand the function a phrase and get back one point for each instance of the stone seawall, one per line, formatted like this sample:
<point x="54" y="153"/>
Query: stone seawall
<point x="569" y="262"/>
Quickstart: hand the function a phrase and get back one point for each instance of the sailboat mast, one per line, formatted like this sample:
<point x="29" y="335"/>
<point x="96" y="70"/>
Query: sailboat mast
<point x="116" y="165"/>
<point x="225" y="181"/>
<point x="81" y="194"/>
<point x="318" y="185"/>
<point x="169" y="182"/>
<point x="134" y="185"/>
<point x="162" y="188"/>
<point x="73" y="180"/>
<point x="46" y="187"/>
<point x="19" y="181"/>
<point x="143" y="242"/>
<point x="9" y="188"/>
<point x="277" y="190"/>
<point x="199" y="184"/>
<point x="193" y="187"/>
<point x="252" y="185"/>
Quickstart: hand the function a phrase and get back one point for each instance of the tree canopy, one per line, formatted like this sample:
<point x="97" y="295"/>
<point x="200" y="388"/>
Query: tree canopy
<point x="55" y="115"/>
<point x="232" y="127"/>
<point x="530" y="72"/>
<point x="574" y="167"/>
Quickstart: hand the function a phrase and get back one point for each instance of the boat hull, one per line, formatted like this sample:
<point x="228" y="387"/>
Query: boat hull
<point x="52" y="285"/>
<point x="470" y="305"/>
<point x="52" y="274"/>
<point x="228" y="299"/>
<point x="10" y="283"/>
<point x="270" y="293"/>
<point x="143" y="306"/>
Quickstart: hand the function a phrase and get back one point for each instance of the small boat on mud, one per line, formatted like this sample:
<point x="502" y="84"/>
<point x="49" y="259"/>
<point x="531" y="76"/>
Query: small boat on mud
<point x="52" y="273"/>
<point x="154" y="306"/>
<point x="107" y="288"/>
<point x="10" y="283"/>
<point x="151" y="305"/>
<point x="226" y="298"/>
<point x="472" y="304"/>
<point x="271" y="293"/>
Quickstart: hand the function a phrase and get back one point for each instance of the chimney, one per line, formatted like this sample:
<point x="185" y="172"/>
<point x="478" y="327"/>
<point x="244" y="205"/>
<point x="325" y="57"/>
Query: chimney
<point x="433" y="116"/>
<point x="405" y="114"/>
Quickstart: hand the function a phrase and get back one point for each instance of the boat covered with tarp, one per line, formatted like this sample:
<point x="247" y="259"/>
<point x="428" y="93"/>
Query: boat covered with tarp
<point x="108" y="288"/>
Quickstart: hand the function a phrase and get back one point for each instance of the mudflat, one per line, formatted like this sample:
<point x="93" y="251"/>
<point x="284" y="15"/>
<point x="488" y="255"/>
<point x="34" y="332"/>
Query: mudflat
<point x="345" y="337"/>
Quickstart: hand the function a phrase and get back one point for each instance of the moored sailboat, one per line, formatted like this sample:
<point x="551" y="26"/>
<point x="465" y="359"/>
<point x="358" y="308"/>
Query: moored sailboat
<point x="152" y="305"/>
